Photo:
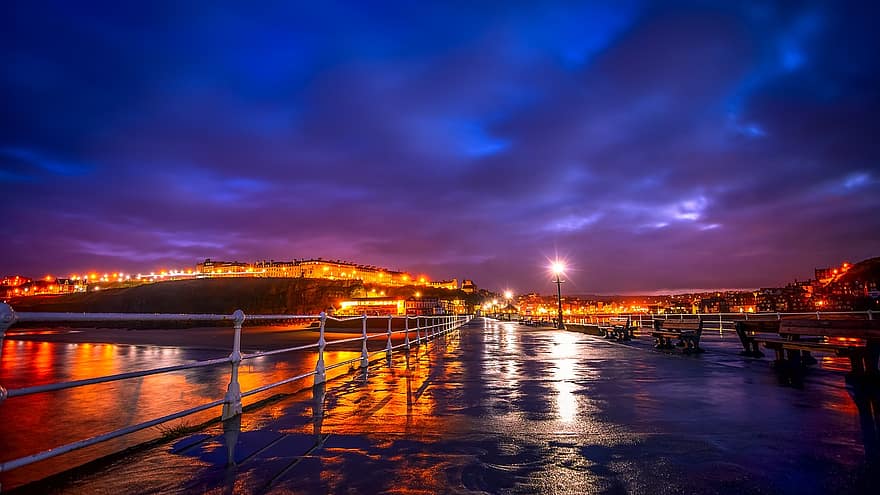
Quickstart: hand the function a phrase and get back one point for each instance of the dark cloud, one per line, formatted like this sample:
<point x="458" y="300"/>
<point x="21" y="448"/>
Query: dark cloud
<point x="657" y="145"/>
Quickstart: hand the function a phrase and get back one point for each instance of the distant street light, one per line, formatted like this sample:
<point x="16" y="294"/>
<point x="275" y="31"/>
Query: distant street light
<point x="508" y="296"/>
<point x="558" y="268"/>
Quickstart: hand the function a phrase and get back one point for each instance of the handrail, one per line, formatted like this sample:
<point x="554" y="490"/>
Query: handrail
<point x="232" y="401"/>
<point x="51" y="387"/>
<point x="734" y="316"/>
<point x="723" y="322"/>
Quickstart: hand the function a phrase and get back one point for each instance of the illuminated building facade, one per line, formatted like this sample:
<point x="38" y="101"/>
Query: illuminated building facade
<point x="227" y="268"/>
<point x="445" y="284"/>
<point x="317" y="268"/>
<point x="422" y="306"/>
<point x="371" y="306"/>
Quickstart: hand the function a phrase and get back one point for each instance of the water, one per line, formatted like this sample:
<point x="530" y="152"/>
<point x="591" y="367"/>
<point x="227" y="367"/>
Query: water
<point x="38" y="422"/>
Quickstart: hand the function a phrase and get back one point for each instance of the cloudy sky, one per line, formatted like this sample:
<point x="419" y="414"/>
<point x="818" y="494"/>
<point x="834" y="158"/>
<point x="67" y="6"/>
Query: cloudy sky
<point x="655" y="146"/>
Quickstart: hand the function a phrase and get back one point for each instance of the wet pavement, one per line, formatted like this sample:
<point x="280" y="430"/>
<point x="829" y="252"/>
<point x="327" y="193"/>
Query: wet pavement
<point x="504" y="408"/>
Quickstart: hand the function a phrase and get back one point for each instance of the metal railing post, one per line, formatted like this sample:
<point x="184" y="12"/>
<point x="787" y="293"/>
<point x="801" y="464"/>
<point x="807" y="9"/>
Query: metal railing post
<point x="232" y="400"/>
<point x="388" y="344"/>
<point x="365" y="358"/>
<point x="7" y="318"/>
<point x="870" y="317"/>
<point x="406" y="332"/>
<point x="320" y="369"/>
<point x="418" y="335"/>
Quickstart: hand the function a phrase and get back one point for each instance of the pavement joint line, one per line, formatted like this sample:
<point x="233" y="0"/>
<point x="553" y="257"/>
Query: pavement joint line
<point x="259" y="451"/>
<point x="424" y="386"/>
<point x="382" y="403"/>
<point x="293" y="464"/>
<point x="195" y="444"/>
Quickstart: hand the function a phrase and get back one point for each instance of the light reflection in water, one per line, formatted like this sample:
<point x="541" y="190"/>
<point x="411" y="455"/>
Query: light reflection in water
<point x="563" y="352"/>
<point x="38" y="422"/>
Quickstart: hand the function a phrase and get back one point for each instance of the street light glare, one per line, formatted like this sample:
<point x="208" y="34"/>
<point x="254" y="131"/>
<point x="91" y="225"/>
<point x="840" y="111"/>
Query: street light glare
<point x="508" y="294"/>
<point x="558" y="267"/>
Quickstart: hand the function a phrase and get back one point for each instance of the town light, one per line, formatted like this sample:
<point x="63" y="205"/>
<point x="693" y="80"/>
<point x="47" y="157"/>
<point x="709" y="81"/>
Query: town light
<point x="558" y="268"/>
<point x="508" y="295"/>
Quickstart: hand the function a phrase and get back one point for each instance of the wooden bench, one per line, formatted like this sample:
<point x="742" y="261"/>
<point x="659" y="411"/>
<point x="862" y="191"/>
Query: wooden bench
<point x="684" y="333"/>
<point x="748" y="330"/>
<point x="857" y="340"/>
<point x="617" y="327"/>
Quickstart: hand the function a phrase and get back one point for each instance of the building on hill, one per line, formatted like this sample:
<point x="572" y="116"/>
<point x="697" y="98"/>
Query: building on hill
<point x="468" y="286"/>
<point x="277" y="269"/>
<point x="315" y="268"/>
<point x="211" y="267"/>
<point x="343" y="270"/>
<point x="445" y="284"/>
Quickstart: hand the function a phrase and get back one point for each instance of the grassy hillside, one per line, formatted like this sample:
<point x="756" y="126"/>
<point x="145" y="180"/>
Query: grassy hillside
<point x="864" y="271"/>
<point x="221" y="295"/>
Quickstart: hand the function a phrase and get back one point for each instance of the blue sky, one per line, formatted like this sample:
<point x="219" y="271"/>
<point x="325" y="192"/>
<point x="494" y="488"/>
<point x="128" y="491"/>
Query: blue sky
<point x="655" y="145"/>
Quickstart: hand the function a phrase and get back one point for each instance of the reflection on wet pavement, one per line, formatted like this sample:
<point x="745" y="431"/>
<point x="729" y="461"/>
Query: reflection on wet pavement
<point x="502" y="408"/>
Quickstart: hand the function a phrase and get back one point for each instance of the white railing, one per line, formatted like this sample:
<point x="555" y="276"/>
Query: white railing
<point x="425" y="328"/>
<point x="715" y="321"/>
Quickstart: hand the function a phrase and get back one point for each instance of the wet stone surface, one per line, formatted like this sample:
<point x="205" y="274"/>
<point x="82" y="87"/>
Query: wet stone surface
<point x="503" y="408"/>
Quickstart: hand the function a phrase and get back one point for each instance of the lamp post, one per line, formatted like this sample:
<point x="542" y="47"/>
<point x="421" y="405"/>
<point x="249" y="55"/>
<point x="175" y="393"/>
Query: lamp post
<point x="508" y="296"/>
<point x="558" y="269"/>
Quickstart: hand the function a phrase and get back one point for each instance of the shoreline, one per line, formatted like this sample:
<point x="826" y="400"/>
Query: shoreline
<point x="253" y="338"/>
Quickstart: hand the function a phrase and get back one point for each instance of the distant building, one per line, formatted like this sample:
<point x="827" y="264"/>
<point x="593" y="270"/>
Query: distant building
<point x="714" y="304"/>
<point x="228" y="268"/>
<point x="371" y="306"/>
<point x="314" y="268"/>
<point x="15" y="280"/>
<point x="468" y="286"/>
<point x="277" y="269"/>
<point x="421" y="306"/>
<point x="454" y="306"/>
<point x="343" y="270"/>
<point x="823" y="274"/>
<point x="445" y="284"/>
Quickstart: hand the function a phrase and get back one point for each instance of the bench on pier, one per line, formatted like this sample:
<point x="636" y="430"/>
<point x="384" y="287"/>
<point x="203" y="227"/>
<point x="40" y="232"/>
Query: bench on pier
<point x="748" y="330"/>
<point x="536" y="322"/>
<point x="857" y="340"/>
<point x="617" y="328"/>
<point x="684" y="333"/>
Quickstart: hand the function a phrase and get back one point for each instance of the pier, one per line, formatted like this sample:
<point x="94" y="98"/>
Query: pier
<point x="499" y="407"/>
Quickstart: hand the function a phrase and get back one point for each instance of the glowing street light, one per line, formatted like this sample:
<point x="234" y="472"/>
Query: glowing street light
<point x="558" y="269"/>
<point x="508" y="295"/>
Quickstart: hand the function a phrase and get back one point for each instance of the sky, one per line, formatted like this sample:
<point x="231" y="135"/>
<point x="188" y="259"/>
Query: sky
<point x="655" y="146"/>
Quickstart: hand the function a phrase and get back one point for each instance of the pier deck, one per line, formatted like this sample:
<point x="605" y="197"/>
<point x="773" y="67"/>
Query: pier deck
<point x="504" y="408"/>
